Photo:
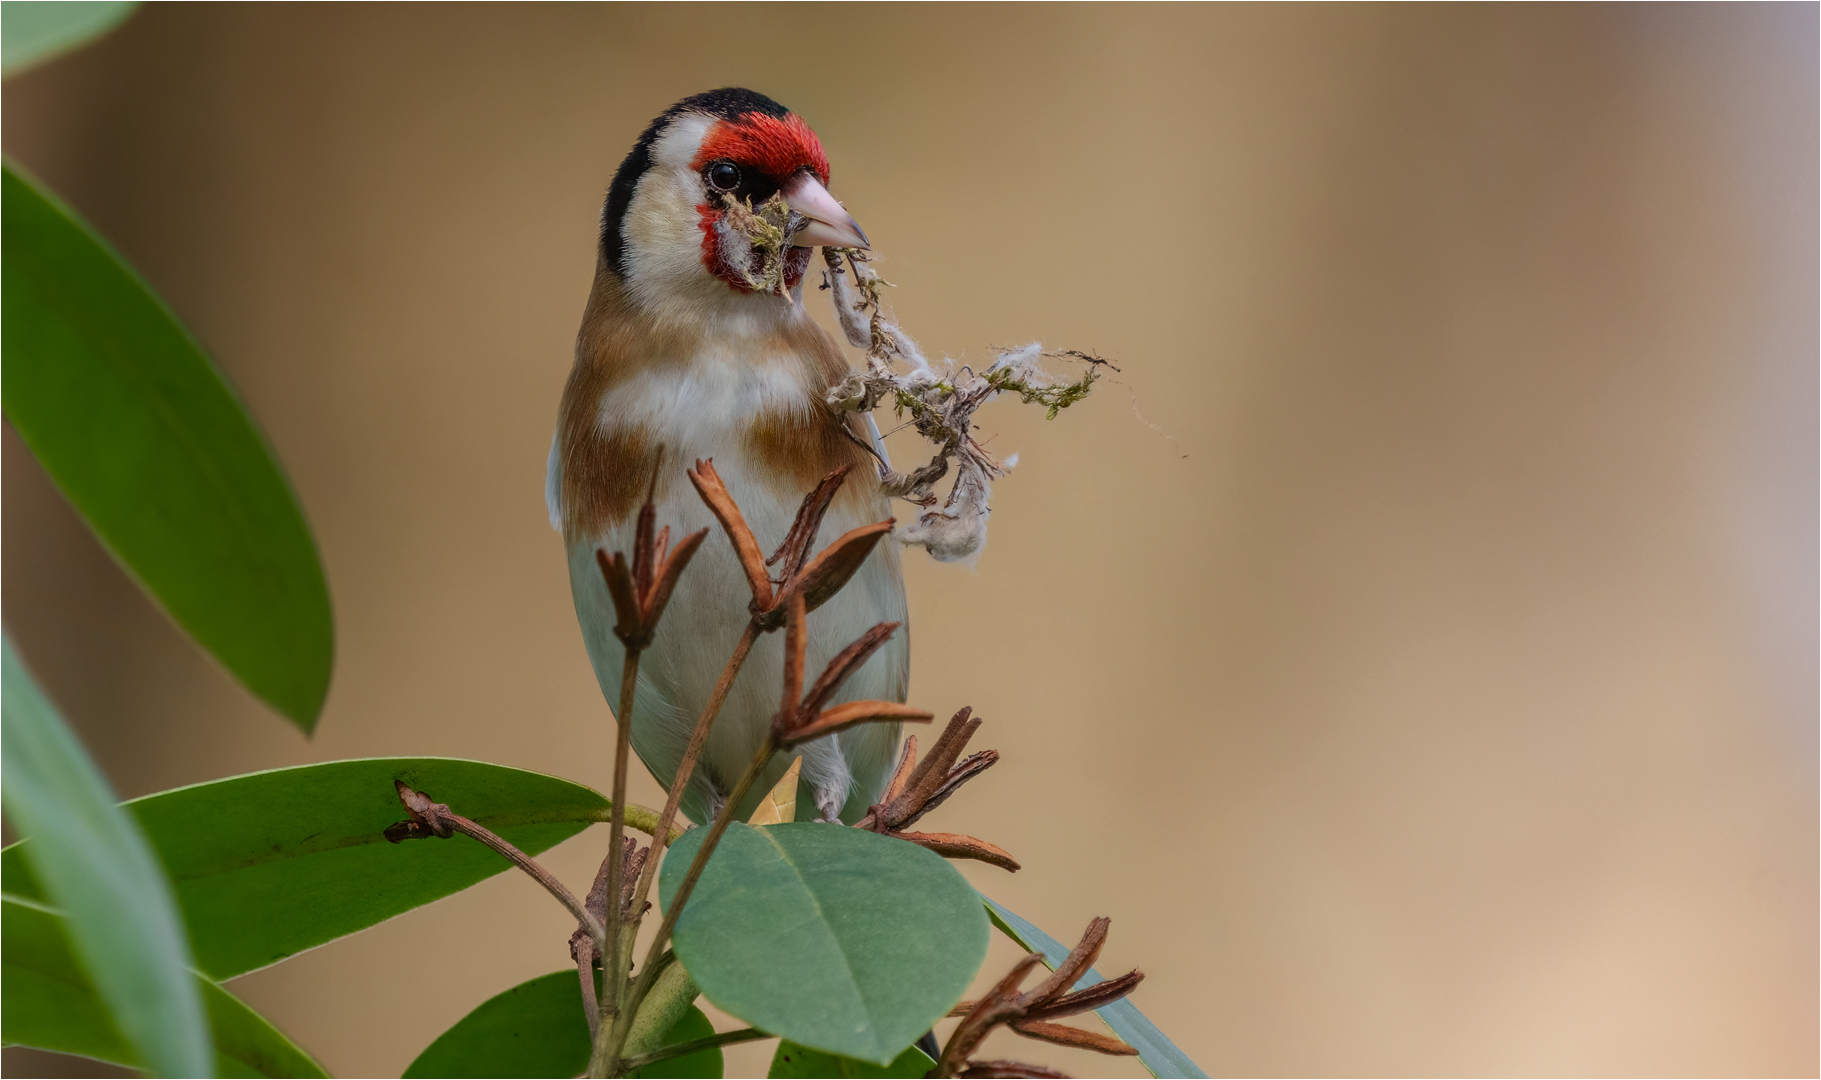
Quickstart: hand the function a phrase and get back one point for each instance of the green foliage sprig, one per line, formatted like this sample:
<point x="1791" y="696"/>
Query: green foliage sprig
<point x="1054" y="398"/>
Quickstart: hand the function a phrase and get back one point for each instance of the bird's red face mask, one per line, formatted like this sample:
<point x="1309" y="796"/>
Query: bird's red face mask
<point x="751" y="158"/>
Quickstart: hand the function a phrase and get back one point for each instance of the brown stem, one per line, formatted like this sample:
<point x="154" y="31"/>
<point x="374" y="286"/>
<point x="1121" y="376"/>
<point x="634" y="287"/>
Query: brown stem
<point x="648" y="974"/>
<point x="686" y="768"/>
<point x="622" y="750"/>
<point x="529" y="865"/>
<point x="709" y="1042"/>
<point x="591" y="1005"/>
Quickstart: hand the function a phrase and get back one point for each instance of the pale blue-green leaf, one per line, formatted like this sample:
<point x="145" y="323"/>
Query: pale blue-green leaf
<point x="839" y="939"/>
<point x="31" y="33"/>
<point x="94" y="864"/>
<point x="1155" y="1050"/>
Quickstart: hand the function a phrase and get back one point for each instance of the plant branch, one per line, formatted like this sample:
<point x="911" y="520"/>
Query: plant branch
<point x="642" y="818"/>
<point x="661" y="833"/>
<point x="1029" y="1013"/>
<point x="436" y="819"/>
<point x="622" y="752"/>
<point x="583" y="951"/>
<point x="648" y="973"/>
<point x="709" y="1042"/>
<point x="807" y="583"/>
<point x="591" y="1004"/>
<point x="917" y="787"/>
<point x="640" y="591"/>
<point x="1008" y="1070"/>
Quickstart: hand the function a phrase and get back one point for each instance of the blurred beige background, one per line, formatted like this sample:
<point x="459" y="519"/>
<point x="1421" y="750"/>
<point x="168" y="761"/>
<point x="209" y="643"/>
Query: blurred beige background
<point x="1414" y="652"/>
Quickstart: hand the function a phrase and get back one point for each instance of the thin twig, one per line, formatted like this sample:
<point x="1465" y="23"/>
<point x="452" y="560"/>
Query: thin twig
<point x="622" y="751"/>
<point x="1009" y="1070"/>
<point x="685" y="771"/>
<point x="648" y="973"/>
<point x="640" y="592"/>
<point x="707" y="1042"/>
<point x="591" y="1005"/>
<point x="642" y="818"/>
<point x="686" y="768"/>
<point x="442" y="822"/>
<point x="582" y="950"/>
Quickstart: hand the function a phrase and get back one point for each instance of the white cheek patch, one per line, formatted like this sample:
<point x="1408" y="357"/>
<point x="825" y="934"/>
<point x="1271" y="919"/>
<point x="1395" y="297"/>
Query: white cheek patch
<point x="662" y="241"/>
<point x="662" y="231"/>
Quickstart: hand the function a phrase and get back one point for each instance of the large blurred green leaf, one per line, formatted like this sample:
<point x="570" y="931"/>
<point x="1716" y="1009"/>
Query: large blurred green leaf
<point x="273" y="863"/>
<point x="48" y="1002"/>
<point x="793" y="1061"/>
<point x="95" y="865"/>
<point x="31" y="33"/>
<point x="836" y="938"/>
<point x="537" y="1029"/>
<point x="1155" y="1050"/>
<point x="152" y="447"/>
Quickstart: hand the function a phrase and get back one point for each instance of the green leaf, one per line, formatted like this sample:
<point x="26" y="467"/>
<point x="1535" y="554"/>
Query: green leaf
<point x="151" y="446"/>
<point x="537" y="1028"/>
<point x="31" y="33"/>
<point x="534" y="1029"/>
<point x="666" y="1005"/>
<point x="703" y="1063"/>
<point x="836" y="938"/>
<point x="1155" y="1050"/>
<point x="793" y="1061"/>
<point x="95" y="865"/>
<point x="273" y="863"/>
<point x="48" y="1002"/>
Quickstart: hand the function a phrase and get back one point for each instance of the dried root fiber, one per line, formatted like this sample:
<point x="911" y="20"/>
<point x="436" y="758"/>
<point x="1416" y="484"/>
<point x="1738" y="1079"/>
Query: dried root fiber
<point x="939" y="401"/>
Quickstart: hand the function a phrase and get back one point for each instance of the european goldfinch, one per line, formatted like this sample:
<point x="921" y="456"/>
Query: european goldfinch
<point x="680" y="353"/>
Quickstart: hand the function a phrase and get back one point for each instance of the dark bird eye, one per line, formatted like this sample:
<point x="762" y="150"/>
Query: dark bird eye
<point x="724" y="176"/>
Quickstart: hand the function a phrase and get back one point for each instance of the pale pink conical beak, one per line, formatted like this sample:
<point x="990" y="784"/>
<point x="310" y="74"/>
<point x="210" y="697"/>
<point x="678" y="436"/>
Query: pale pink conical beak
<point x="829" y="225"/>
